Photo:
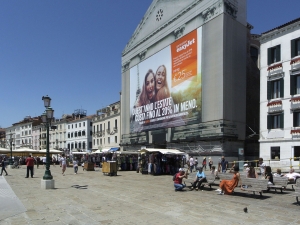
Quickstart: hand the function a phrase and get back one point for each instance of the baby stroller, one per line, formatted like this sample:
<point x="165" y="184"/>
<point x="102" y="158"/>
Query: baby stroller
<point x="16" y="165"/>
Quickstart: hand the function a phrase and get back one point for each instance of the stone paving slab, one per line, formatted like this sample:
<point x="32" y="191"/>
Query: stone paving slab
<point x="132" y="198"/>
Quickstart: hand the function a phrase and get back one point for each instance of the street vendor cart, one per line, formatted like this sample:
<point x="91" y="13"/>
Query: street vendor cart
<point x="109" y="168"/>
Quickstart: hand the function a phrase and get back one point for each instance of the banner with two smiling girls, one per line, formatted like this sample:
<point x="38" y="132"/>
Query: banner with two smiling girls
<point x="166" y="88"/>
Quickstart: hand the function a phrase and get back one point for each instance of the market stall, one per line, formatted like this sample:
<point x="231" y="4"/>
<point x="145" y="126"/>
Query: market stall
<point x="160" y="161"/>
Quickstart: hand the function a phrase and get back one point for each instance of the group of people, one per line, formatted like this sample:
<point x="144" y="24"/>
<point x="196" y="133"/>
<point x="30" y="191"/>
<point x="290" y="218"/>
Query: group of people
<point x="193" y="163"/>
<point x="228" y="186"/>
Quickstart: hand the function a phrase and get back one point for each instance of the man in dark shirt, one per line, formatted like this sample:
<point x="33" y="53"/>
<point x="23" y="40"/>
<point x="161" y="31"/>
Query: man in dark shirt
<point x="29" y="163"/>
<point x="223" y="165"/>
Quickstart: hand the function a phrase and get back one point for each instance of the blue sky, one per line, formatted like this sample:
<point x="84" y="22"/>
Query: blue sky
<point x="71" y="50"/>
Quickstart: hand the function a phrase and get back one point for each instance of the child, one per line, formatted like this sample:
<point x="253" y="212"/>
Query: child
<point x="75" y="165"/>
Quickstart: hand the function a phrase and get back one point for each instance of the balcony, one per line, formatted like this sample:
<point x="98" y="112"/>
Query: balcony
<point x="274" y="106"/>
<point x="295" y="103"/>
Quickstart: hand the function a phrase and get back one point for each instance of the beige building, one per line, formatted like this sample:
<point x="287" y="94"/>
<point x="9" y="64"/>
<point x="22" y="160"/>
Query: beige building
<point x="106" y="127"/>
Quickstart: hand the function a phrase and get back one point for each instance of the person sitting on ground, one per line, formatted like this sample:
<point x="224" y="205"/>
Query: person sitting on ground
<point x="292" y="176"/>
<point x="227" y="186"/>
<point x="178" y="180"/>
<point x="252" y="173"/>
<point x="278" y="173"/>
<point x="200" y="178"/>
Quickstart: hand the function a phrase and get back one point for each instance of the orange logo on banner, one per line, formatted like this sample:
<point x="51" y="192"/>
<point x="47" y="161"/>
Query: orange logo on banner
<point x="184" y="58"/>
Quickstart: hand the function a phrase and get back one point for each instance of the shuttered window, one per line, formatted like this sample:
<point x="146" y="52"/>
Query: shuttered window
<point x="274" y="54"/>
<point x="275" y="89"/>
<point x="275" y="121"/>
<point x="295" y="47"/>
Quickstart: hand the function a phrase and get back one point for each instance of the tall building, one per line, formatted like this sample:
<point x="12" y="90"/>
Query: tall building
<point x="184" y="78"/>
<point x="280" y="95"/>
<point x="106" y="127"/>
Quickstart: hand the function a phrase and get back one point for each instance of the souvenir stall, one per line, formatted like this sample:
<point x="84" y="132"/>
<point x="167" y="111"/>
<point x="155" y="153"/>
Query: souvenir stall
<point x="160" y="161"/>
<point x="109" y="165"/>
<point x="85" y="159"/>
<point x="127" y="161"/>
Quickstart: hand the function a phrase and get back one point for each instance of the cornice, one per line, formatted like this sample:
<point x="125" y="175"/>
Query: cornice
<point x="279" y="32"/>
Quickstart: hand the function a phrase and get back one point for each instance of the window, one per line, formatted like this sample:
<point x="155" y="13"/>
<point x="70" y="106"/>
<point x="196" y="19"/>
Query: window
<point x="275" y="121"/>
<point x="296" y="119"/>
<point x="101" y="127"/>
<point x="79" y="133"/>
<point x="108" y="125"/>
<point x="97" y="128"/>
<point x="72" y="126"/>
<point x="108" y="140"/>
<point x="296" y="153"/>
<point x="83" y="133"/>
<point x="275" y="89"/>
<point x="75" y="144"/>
<point x="254" y="54"/>
<point x="90" y="144"/>
<point x="68" y="135"/>
<point x="68" y="126"/>
<point x="75" y="134"/>
<point x="84" y="124"/>
<point x="274" y="54"/>
<point x="72" y="145"/>
<point x="79" y="124"/>
<point x="100" y="141"/>
<point x="116" y="139"/>
<point x="94" y="129"/>
<point x="83" y="145"/>
<point x="275" y="153"/>
<point x="94" y="142"/>
<point x="295" y="47"/>
<point x="76" y="125"/>
<point x="97" y="141"/>
<point x="91" y="133"/>
<point x="59" y="126"/>
<point x="71" y="135"/>
<point x="91" y="123"/>
<point x="295" y="84"/>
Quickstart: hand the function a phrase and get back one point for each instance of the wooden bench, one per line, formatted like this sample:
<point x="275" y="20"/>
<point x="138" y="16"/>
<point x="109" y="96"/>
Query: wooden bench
<point x="279" y="183"/>
<point x="297" y="190"/>
<point x="210" y="179"/>
<point x="254" y="185"/>
<point x="225" y="176"/>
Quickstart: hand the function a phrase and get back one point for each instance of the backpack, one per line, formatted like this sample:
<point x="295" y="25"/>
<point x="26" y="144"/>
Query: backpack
<point x="174" y="176"/>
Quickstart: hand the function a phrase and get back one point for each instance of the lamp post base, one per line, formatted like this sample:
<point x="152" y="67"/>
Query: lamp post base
<point x="47" y="184"/>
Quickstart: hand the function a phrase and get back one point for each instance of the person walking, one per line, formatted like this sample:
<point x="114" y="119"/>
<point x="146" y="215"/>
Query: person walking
<point x="204" y="163"/>
<point x="223" y="165"/>
<point x="191" y="161"/>
<point x="75" y="165"/>
<point x="38" y="161"/>
<point x="63" y="163"/>
<point x="3" y="167"/>
<point x="210" y="163"/>
<point x="30" y="164"/>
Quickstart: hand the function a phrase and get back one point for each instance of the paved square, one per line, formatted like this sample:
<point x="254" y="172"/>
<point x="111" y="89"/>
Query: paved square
<point x="132" y="198"/>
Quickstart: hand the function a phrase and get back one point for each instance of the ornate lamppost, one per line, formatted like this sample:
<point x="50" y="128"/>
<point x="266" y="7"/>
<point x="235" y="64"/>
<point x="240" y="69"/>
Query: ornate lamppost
<point x="47" y="116"/>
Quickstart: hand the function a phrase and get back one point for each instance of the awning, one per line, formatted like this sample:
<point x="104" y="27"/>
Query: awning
<point x="114" y="149"/>
<point x="105" y="150"/>
<point x="163" y="151"/>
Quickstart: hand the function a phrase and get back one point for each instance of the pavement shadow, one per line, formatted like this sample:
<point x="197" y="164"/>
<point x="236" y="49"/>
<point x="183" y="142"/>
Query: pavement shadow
<point x="79" y="186"/>
<point x="251" y="195"/>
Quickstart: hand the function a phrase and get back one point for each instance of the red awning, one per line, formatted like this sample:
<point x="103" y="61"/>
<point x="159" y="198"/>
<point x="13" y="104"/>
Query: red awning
<point x="276" y="66"/>
<point x="279" y="102"/>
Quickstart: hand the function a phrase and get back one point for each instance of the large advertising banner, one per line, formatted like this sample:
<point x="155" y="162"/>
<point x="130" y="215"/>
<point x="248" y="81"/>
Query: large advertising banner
<point x="165" y="89"/>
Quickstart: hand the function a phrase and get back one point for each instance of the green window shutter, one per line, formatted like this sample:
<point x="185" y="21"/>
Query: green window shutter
<point x="269" y="122"/>
<point x="269" y="90"/>
<point x="278" y="54"/>
<point x="281" y="88"/>
<point x="292" y="84"/>
<point x="269" y="56"/>
<point x="293" y="48"/>
<point x="281" y="120"/>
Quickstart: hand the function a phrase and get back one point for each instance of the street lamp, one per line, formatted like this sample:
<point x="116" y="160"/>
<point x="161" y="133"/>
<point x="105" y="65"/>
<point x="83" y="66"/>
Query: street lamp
<point x="11" y="143"/>
<point x="47" y="117"/>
